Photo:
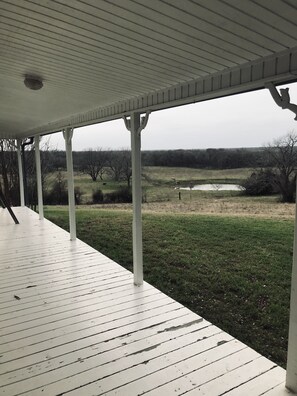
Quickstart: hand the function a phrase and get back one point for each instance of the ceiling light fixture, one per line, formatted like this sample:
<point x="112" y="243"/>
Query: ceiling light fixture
<point x="33" y="82"/>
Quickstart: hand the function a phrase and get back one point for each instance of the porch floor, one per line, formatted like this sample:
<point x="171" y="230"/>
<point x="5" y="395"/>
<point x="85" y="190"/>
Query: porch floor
<point x="73" y="323"/>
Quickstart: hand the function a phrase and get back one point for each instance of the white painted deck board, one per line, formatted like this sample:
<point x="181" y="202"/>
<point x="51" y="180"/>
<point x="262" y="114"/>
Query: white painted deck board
<point x="83" y="328"/>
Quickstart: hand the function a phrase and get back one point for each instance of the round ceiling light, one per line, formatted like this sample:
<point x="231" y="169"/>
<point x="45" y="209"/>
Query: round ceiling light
<point x="33" y="82"/>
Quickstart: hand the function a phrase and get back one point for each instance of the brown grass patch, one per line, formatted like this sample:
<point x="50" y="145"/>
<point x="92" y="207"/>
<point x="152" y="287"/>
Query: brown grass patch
<point x="229" y="206"/>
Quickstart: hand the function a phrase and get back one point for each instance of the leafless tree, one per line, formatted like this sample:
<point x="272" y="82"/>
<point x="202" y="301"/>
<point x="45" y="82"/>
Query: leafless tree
<point x="9" y="176"/>
<point x="94" y="163"/>
<point x="9" y="170"/>
<point x="282" y="156"/>
<point x="119" y="163"/>
<point x="126" y="166"/>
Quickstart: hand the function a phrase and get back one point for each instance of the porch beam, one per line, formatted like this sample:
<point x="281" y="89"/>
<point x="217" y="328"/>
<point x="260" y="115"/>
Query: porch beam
<point x="38" y="177"/>
<point x="135" y="123"/>
<point x="21" y="175"/>
<point x="68" y="133"/>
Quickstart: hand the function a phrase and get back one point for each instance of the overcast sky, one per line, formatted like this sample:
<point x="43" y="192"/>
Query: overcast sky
<point x="246" y="120"/>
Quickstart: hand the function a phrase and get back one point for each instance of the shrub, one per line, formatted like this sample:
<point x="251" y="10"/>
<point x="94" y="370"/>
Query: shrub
<point x="97" y="196"/>
<point x="121" y="195"/>
<point x="77" y="195"/>
<point x="261" y="182"/>
<point x="58" y="195"/>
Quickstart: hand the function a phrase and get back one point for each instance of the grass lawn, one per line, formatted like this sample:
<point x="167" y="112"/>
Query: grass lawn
<point x="234" y="271"/>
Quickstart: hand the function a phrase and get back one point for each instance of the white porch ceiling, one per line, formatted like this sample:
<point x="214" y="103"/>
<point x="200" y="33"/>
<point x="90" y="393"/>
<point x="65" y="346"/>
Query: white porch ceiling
<point x="100" y="59"/>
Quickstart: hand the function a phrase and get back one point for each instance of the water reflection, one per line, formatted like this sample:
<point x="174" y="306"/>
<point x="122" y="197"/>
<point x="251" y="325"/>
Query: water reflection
<point x="215" y="187"/>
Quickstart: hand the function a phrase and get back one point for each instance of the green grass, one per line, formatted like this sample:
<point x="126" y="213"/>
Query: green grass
<point x="235" y="272"/>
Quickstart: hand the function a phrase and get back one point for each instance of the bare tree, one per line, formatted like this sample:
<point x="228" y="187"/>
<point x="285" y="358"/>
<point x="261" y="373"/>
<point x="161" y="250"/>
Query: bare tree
<point x="8" y="170"/>
<point x="114" y="164"/>
<point x="119" y="163"/>
<point x="9" y="175"/>
<point x="282" y="156"/>
<point x="94" y="163"/>
<point x="126" y="166"/>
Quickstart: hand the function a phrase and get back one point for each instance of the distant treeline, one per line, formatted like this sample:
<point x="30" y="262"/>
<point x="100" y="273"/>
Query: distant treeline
<point x="208" y="158"/>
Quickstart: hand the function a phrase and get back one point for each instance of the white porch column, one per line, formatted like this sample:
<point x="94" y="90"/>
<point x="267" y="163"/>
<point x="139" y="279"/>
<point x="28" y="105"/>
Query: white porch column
<point x="291" y="377"/>
<point x="282" y="99"/>
<point x="21" y="176"/>
<point x="38" y="177"/>
<point x="68" y="133"/>
<point x="135" y="125"/>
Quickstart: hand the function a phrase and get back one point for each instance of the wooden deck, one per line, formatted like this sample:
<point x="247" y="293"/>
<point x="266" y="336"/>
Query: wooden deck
<point x="73" y="323"/>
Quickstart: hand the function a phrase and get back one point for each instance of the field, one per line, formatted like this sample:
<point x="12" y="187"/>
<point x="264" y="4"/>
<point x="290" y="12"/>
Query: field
<point x="185" y="175"/>
<point x="161" y="193"/>
<point x="225" y="256"/>
<point x="160" y="183"/>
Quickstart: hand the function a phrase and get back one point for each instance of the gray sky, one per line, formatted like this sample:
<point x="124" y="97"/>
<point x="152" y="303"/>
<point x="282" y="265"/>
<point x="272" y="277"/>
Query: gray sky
<point x="246" y="120"/>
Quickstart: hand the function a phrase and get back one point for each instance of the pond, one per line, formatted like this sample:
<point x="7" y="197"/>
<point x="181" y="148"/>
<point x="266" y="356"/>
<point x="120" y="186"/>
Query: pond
<point x="215" y="187"/>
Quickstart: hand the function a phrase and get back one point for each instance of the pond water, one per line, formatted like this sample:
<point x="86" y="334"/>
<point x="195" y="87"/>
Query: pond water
<point x="215" y="187"/>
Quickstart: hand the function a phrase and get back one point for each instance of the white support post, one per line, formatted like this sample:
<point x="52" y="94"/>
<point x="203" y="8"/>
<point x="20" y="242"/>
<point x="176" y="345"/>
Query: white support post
<point x="291" y="377"/>
<point x="38" y="177"/>
<point x="137" y="199"/>
<point x="135" y="125"/>
<point x="68" y="133"/>
<point x="21" y="176"/>
<point x="282" y="99"/>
